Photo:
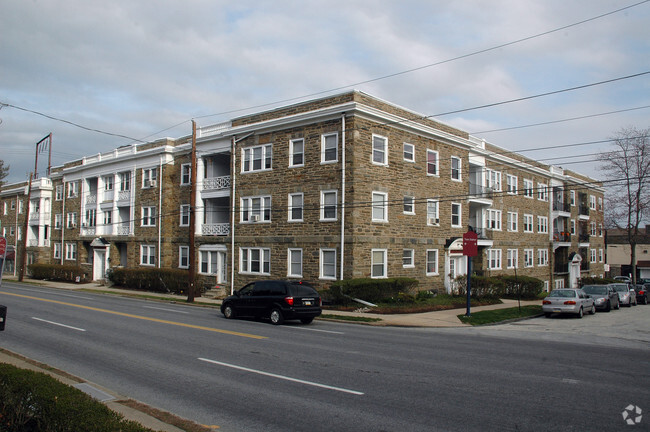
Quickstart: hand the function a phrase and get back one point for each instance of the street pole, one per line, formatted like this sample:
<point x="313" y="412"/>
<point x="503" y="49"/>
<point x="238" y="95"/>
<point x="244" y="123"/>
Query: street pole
<point x="23" y="254"/>
<point x="191" y="293"/>
<point x="469" y="286"/>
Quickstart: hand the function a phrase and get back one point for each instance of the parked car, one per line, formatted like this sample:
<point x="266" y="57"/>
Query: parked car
<point x="277" y="300"/>
<point x="605" y="298"/>
<point x="623" y="279"/>
<point x="572" y="301"/>
<point x="642" y="293"/>
<point x="626" y="295"/>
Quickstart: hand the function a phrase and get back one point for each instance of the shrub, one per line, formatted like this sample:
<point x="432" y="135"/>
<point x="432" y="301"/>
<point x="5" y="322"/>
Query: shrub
<point x="595" y="281"/>
<point x="34" y="401"/>
<point x="372" y="290"/>
<point x="58" y="272"/>
<point x="150" y="279"/>
<point x="500" y="287"/>
<point x="526" y="286"/>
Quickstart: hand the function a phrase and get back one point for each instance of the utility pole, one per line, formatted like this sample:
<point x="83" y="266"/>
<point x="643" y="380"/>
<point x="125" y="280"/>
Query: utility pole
<point x="23" y="253"/>
<point x="191" y="293"/>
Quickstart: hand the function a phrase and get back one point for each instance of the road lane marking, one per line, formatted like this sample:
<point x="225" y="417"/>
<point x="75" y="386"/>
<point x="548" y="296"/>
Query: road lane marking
<point x="282" y="377"/>
<point x="58" y="294"/>
<point x="210" y="329"/>
<point x="58" y="324"/>
<point x="313" y="329"/>
<point x="165" y="309"/>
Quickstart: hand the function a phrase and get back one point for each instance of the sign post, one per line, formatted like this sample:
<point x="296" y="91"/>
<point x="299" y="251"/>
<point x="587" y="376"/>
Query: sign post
<point x="3" y="253"/>
<point x="470" y="249"/>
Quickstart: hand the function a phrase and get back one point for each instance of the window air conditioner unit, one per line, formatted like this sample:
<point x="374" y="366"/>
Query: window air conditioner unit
<point x="152" y="183"/>
<point x="73" y="225"/>
<point x="255" y="218"/>
<point x="433" y="221"/>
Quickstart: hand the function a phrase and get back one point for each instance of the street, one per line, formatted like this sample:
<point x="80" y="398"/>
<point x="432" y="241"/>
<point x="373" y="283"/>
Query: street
<point x="245" y="375"/>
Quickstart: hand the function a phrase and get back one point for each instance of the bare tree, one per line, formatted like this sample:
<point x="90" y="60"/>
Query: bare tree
<point x="628" y="169"/>
<point x="4" y="172"/>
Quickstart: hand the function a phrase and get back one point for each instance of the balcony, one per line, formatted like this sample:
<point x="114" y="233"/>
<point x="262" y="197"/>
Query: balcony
<point x="583" y="210"/>
<point x="561" y="207"/>
<point x="124" y="229"/>
<point x="91" y="198"/>
<point x="479" y="191"/>
<point x="88" y="231"/>
<point x="124" y="197"/>
<point x="583" y="238"/>
<point x="561" y="237"/>
<point x="215" y="229"/>
<point x="561" y="267"/>
<point x="483" y="233"/>
<point x="216" y="183"/>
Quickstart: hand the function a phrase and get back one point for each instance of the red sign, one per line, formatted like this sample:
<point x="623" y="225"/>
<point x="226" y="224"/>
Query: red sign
<point x="3" y="246"/>
<point x="470" y="243"/>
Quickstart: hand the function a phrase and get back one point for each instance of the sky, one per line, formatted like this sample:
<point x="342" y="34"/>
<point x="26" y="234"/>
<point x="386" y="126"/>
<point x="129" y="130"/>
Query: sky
<point x="129" y="70"/>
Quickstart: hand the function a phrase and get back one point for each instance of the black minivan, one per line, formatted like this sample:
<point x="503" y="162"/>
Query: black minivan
<point x="277" y="300"/>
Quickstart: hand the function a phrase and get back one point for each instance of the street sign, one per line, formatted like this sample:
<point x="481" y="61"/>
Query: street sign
<point x="470" y="244"/>
<point x="3" y="246"/>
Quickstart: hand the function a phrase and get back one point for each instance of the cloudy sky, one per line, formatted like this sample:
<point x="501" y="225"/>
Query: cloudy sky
<point x="143" y="69"/>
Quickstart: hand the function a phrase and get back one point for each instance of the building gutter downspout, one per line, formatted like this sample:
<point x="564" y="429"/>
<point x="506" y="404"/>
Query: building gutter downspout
<point x="232" y="215"/>
<point x="160" y="198"/>
<point x="342" y="247"/>
<point x="63" y="222"/>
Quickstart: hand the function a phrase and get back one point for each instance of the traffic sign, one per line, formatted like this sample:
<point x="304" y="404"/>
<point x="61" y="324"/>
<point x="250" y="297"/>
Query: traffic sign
<point x="470" y="243"/>
<point x="3" y="246"/>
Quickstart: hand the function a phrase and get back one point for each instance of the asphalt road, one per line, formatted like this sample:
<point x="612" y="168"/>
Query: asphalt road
<point x="240" y="375"/>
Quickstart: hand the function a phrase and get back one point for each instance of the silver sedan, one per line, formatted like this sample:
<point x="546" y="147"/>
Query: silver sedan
<point x="571" y="301"/>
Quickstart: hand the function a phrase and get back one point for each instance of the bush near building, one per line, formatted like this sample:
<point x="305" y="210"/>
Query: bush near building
<point x="160" y="280"/>
<point x="58" y="272"/>
<point x="510" y="287"/>
<point x="371" y="290"/>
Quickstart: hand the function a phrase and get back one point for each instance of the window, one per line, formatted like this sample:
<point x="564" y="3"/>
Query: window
<point x="329" y="148"/>
<point x="148" y="216"/>
<point x="379" y="207"/>
<point x="456" y="168"/>
<point x="183" y="257"/>
<point x="328" y="264"/>
<point x="255" y="260"/>
<point x="379" y="150"/>
<point x="296" y="201"/>
<point x="186" y="174"/>
<point x="493" y="179"/>
<point x="297" y="152"/>
<point x="185" y="215"/>
<point x="258" y="158"/>
<point x="601" y="256"/>
<point x="328" y="204"/>
<point x="20" y="206"/>
<point x="592" y="225"/>
<point x="71" y="220"/>
<point x="494" y="259"/>
<point x="542" y="192"/>
<point x="494" y="220"/>
<point x="59" y="193"/>
<point x="528" y="188"/>
<point x="511" y="184"/>
<point x="149" y="177"/>
<point x="432" y="262"/>
<point x="108" y="183"/>
<point x="455" y="215"/>
<point x="57" y="250"/>
<point x="600" y="204"/>
<point x="73" y="189"/>
<point x="432" y="213"/>
<point x="513" y="258"/>
<point x="542" y="224"/>
<point x="528" y="257"/>
<point x="108" y="217"/>
<point x="378" y="266"/>
<point x="592" y="257"/>
<point x="91" y="218"/>
<point x="528" y="223"/>
<point x="125" y="181"/>
<point x="147" y="255"/>
<point x="256" y="209"/>
<point x="213" y="262"/>
<point x="71" y="251"/>
<point x="409" y="205"/>
<point x="409" y="152"/>
<point x="600" y="230"/>
<point x="432" y="162"/>
<point x="407" y="258"/>
<point x="572" y="195"/>
<point x="592" y="202"/>
<point x="512" y="221"/>
<point x="542" y="257"/>
<point x="294" y="264"/>
<point x="58" y="221"/>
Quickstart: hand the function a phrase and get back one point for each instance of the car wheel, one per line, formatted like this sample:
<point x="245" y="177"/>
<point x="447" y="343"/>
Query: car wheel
<point x="580" y="313"/>
<point x="629" y="304"/>
<point x="276" y="316"/>
<point x="593" y="310"/>
<point x="609" y="306"/>
<point x="306" y="320"/>
<point x="547" y="314"/>
<point x="645" y="300"/>
<point x="618" y="305"/>
<point x="228" y="311"/>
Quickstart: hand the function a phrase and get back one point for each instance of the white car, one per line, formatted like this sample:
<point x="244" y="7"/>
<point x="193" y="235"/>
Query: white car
<point x="626" y="296"/>
<point x="571" y="301"/>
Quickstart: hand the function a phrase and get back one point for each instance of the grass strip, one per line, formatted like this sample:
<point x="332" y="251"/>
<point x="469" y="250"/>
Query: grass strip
<point x="499" y="315"/>
<point x="350" y="318"/>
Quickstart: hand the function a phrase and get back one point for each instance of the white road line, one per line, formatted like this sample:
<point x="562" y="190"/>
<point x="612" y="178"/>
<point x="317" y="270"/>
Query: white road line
<point x="164" y="309"/>
<point x="59" y="324"/>
<point x="313" y="329"/>
<point x="286" y="378"/>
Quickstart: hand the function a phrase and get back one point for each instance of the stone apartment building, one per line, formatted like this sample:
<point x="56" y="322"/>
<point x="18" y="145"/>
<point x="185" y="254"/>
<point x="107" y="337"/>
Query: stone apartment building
<point x="344" y="186"/>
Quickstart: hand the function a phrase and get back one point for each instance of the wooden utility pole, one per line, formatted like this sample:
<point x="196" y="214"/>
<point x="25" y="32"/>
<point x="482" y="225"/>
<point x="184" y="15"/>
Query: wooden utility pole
<point x="23" y="240"/>
<point x="191" y="293"/>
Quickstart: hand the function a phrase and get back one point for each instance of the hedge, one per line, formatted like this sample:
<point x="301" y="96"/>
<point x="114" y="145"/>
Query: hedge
<point x="34" y="401"/>
<point x="596" y="281"/>
<point x="58" y="272"/>
<point x="500" y="287"/>
<point x="371" y="290"/>
<point x="151" y="279"/>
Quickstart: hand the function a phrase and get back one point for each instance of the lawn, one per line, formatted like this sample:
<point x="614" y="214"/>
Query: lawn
<point x="499" y="315"/>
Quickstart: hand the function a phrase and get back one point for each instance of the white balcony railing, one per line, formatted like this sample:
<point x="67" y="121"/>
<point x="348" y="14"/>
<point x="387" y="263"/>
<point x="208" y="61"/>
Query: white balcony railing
<point x="124" y="229"/>
<point x="217" y="229"/>
<point x="124" y="195"/>
<point x="91" y="199"/>
<point x="216" y="183"/>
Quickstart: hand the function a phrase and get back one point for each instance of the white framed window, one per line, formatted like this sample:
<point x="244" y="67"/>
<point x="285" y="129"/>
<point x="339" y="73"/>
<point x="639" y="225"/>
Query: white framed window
<point x="529" y="257"/>
<point x="379" y="207"/>
<point x="528" y="188"/>
<point x="59" y="193"/>
<point x="494" y="259"/>
<point x="294" y="263"/>
<point x="601" y="256"/>
<point x="409" y="205"/>
<point x="213" y="262"/>
<point x="456" y="215"/>
<point x="456" y="168"/>
<point x="58" y="221"/>
<point x="297" y="152"/>
<point x="542" y="257"/>
<point x="433" y="168"/>
<point x="378" y="265"/>
<point x="255" y="260"/>
<point x="147" y="255"/>
<point x="256" y="209"/>
<point x="183" y="257"/>
<point x="542" y="224"/>
<point x="185" y="215"/>
<point x="91" y="218"/>
<point x="329" y="148"/>
<point x="511" y="184"/>
<point x="600" y="230"/>
<point x="572" y="195"/>
<point x="108" y="217"/>
<point x="149" y="177"/>
<point x="328" y="264"/>
<point x="148" y="216"/>
<point x="73" y="189"/>
<point x="4" y="208"/>
<point x="592" y="202"/>
<point x="125" y="181"/>
<point x="542" y="192"/>
<point x="328" y="205"/>
<point x="409" y="152"/>
<point x="407" y="258"/>
<point x="493" y="179"/>
<point x="600" y="204"/>
<point x="432" y="262"/>
<point x="559" y="283"/>
<point x="528" y="223"/>
<point x="71" y="220"/>
<point x="108" y="182"/>
<point x="71" y="251"/>
<point x="12" y="231"/>
<point x="432" y="212"/>
<point x="13" y="205"/>
<point x="592" y="225"/>
<point x="512" y="258"/>
<point x="258" y="158"/>
<point x="57" y="250"/>
<point x="512" y="221"/>
<point x="296" y="204"/>
<point x="494" y="219"/>
<point x="379" y="150"/>
<point x="20" y="206"/>
<point x="186" y="174"/>
<point x="592" y="257"/>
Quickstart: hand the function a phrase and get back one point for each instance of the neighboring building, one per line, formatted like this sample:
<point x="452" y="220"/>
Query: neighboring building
<point x="346" y="186"/>
<point x="618" y="253"/>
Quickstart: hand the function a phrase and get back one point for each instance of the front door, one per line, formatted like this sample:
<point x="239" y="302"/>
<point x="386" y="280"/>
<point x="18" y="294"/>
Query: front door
<point x="99" y="266"/>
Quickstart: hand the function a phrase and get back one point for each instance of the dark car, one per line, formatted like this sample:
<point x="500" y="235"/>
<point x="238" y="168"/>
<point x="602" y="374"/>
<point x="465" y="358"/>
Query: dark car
<point x="277" y="300"/>
<point x="642" y="293"/>
<point x="605" y="298"/>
